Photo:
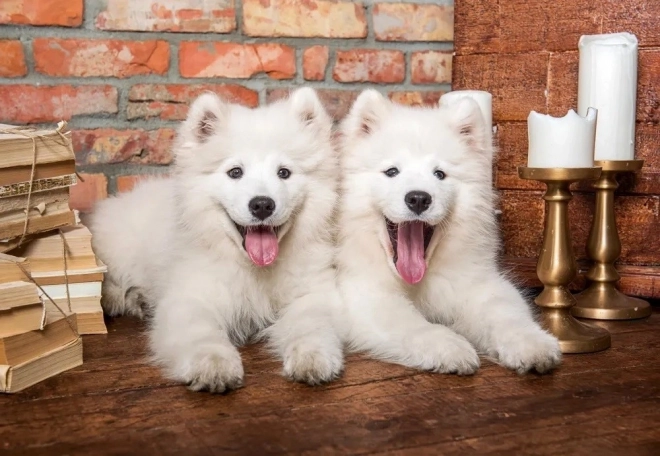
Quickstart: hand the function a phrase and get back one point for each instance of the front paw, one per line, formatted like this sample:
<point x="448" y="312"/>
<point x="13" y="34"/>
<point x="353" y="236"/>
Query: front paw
<point x="216" y="369"/>
<point x="313" y="360"/>
<point x="530" y="350"/>
<point x="441" y="350"/>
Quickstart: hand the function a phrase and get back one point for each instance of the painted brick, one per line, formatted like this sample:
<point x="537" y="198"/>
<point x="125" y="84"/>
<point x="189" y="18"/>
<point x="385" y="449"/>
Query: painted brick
<point x="106" y="145"/>
<point x="234" y="60"/>
<point x="67" y="13"/>
<point x="336" y="102"/>
<point x="30" y="104"/>
<point x="84" y="194"/>
<point x="430" y="98"/>
<point x="308" y="18"/>
<point x="431" y="67"/>
<point x="108" y="58"/>
<point x="12" y="63"/>
<point x="369" y="65"/>
<point x="171" y="101"/>
<point x="127" y="183"/>
<point x="413" y="22"/>
<point x="315" y="61"/>
<point x="199" y="16"/>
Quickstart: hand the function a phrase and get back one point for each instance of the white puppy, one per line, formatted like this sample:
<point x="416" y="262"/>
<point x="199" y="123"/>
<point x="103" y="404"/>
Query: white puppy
<point x="238" y="243"/>
<point x="418" y="243"/>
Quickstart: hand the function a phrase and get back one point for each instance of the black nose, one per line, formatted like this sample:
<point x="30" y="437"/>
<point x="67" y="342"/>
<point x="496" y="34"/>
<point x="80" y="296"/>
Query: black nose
<point x="417" y="201"/>
<point x="262" y="207"/>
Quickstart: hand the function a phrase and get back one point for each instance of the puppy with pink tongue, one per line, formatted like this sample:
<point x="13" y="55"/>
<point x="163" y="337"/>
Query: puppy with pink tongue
<point x="418" y="240"/>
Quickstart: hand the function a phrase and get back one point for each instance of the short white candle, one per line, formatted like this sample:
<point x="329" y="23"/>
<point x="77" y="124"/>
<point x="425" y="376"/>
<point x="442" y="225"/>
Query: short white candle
<point x="608" y="82"/>
<point x="561" y="142"/>
<point x="484" y="100"/>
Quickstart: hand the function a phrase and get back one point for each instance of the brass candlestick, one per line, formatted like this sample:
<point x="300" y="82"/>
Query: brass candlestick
<point x="557" y="267"/>
<point x="601" y="300"/>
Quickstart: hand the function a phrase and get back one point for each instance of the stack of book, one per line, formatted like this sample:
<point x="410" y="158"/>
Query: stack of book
<point x="50" y="278"/>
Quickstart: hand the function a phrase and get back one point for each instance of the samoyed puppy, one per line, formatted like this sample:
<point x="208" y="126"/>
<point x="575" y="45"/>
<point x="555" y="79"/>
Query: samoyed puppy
<point x="237" y="243"/>
<point x="418" y="242"/>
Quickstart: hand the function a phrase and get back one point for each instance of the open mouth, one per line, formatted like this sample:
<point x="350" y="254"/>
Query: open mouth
<point x="260" y="242"/>
<point x="409" y="243"/>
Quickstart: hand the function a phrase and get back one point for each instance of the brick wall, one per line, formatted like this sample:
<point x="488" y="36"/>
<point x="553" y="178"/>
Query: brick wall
<point x="123" y="72"/>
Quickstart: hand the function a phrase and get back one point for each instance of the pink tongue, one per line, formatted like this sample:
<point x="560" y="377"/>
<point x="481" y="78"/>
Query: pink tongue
<point x="261" y="245"/>
<point x="410" y="252"/>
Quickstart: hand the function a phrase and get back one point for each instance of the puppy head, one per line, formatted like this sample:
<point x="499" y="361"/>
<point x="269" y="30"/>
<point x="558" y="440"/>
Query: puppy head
<point x="249" y="170"/>
<point x="409" y="166"/>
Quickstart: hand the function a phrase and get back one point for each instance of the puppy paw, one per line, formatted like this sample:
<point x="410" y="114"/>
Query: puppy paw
<point x="441" y="350"/>
<point x="531" y="350"/>
<point x="215" y="369"/>
<point x="313" y="361"/>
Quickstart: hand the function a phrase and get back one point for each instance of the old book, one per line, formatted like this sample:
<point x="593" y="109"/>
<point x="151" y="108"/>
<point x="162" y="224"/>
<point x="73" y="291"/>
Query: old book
<point x="45" y="251"/>
<point x="10" y="271"/>
<point x="16" y="378"/>
<point x="18" y="187"/>
<point x="18" y="144"/>
<point x="21" y="308"/>
<point x="23" y="347"/>
<point x="88" y="310"/>
<point x="42" y="174"/>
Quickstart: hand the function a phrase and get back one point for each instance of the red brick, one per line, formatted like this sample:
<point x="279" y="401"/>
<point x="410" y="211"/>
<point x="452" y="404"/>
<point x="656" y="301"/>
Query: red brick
<point x="213" y="16"/>
<point x="315" y="61"/>
<point x="109" y="58"/>
<point x="367" y="65"/>
<point x="171" y="101"/>
<point x="413" y="22"/>
<point x="307" y="18"/>
<point x="127" y="183"/>
<point x="84" y="194"/>
<point x="430" y="98"/>
<point x="336" y="102"/>
<point x="431" y="67"/>
<point x="234" y="60"/>
<point x="105" y="145"/>
<point x="66" y="13"/>
<point x="12" y="64"/>
<point x="31" y="104"/>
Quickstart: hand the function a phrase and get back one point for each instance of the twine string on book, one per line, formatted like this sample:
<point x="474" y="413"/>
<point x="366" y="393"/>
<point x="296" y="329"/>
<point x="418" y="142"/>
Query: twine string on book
<point x="26" y="273"/>
<point x="28" y="132"/>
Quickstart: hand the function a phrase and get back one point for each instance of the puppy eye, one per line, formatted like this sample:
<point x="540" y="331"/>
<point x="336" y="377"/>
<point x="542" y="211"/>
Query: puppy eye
<point x="283" y="173"/>
<point x="391" y="172"/>
<point x="235" y="173"/>
<point x="439" y="174"/>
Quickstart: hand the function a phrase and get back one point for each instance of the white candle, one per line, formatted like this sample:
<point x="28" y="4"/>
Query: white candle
<point x="484" y="100"/>
<point x="561" y="142"/>
<point x="608" y="82"/>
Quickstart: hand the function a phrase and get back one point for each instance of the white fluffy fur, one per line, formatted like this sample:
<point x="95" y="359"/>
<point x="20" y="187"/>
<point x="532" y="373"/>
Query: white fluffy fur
<point x="463" y="305"/>
<point x="172" y="244"/>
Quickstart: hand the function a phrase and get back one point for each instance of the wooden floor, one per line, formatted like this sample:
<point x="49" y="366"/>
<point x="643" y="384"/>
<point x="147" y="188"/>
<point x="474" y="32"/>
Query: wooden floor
<point x="600" y="404"/>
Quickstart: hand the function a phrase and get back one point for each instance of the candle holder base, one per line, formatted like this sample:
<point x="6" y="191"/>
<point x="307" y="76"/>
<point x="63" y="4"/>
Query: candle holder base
<point x="604" y="302"/>
<point x="574" y="336"/>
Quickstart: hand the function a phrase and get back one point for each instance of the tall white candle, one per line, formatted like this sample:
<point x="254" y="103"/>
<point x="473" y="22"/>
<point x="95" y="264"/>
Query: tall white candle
<point x="561" y="142"/>
<point x="484" y="100"/>
<point x="608" y="82"/>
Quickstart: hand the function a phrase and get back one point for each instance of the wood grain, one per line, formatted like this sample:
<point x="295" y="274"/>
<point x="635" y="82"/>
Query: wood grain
<point x="102" y="409"/>
<point x="638" y="220"/>
<point x="515" y="26"/>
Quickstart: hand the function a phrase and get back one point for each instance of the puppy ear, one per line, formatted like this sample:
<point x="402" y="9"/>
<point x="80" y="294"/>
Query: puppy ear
<point x="205" y="117"/>
<point x="307" y="107"/>
<point x="468" y="122"/>
<point x="366" y="114"/>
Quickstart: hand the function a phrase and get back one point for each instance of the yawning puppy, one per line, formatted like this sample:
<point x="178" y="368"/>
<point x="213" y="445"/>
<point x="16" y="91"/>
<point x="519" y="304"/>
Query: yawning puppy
<point x="238" y="243"/>
<point x="418" y="242"/>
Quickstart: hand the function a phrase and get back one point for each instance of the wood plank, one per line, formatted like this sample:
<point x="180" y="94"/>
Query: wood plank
<point x="518" y="82"/>
<point x="563" y="76"/>
<point x="641" y="281"/>
<point x="638" y="221"/>
<point x="512" y="141"/>
<point x="514" y="26"/>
